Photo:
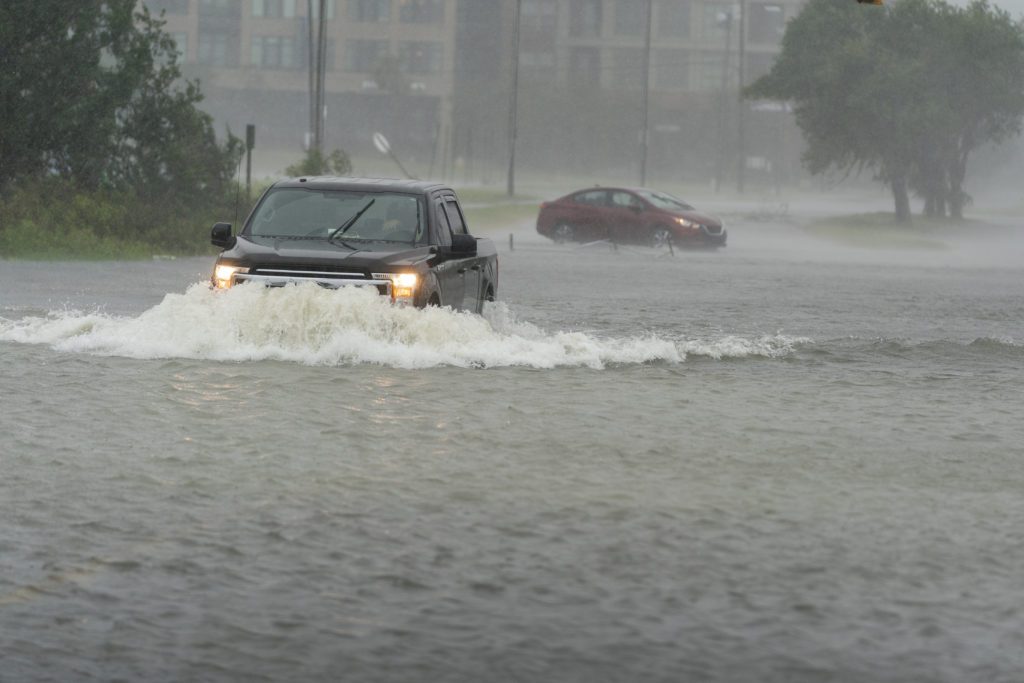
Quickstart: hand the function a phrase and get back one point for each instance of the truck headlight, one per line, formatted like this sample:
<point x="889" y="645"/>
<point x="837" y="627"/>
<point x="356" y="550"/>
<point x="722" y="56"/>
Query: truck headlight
<point x="403" y="286"/>
<point x="224" y="275"/>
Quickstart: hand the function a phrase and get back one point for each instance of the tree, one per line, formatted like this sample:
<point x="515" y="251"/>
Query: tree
<point x="90" y="91"/>
<point x="907" y="91"/>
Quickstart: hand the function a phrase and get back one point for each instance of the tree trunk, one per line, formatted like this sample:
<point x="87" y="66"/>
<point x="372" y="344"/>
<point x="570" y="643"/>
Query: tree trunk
<point x="902" y="199"/>
<point x="957" y="196"/>
<point x="956" y="171"/>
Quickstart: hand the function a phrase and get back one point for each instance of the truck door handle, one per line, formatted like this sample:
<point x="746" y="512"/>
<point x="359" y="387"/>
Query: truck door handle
<point x="476" y="267"/>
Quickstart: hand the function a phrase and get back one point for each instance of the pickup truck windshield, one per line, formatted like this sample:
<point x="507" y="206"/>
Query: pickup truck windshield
<point x="297" y="212"/>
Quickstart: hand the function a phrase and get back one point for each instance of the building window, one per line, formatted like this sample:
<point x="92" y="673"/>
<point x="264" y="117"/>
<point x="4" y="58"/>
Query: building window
<point x="214" y="49"/>
<point x="767" y="23"/>
<point x="220" y="8"/>
<point x="537" y="59"/>
<point x="168" y="6"/>
<point x="538" y="14"/>
<point x="674" y="19"/>
<point x="585" y="67"/>
<point x="671" y="69"/>
<point x="316" y="9"/>
<point x="274" y="52"/>
<point x="421" y="11"/>
<point x="362" y="55"/>
<point x="758" y="64"/>
<point x="180" y="45"/>
<point x="630" y="17"/>
<point x="273" y="9"/>
<point x="627" y="69"/>
<point x="419" y="57"/>
<point x="585" y="18"/>
<point x="369" y="10"/>
<point x="707" y="71"/>
<point x="718" y="19"/>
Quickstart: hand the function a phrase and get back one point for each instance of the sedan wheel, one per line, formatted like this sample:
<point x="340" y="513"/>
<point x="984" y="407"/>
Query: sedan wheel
<point x="562" y="233"/>
<point x="660" y="237"/>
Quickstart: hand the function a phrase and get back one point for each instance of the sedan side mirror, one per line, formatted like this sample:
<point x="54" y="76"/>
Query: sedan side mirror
<point x="221" y="236"/>
<point x="636" y="208"/>
<point x="463" y="245"/>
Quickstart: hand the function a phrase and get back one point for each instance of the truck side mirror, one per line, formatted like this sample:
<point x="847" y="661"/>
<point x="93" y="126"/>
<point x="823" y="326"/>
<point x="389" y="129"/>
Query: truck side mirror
<point x="463" y="245"/>
<point x="221" y="236"/>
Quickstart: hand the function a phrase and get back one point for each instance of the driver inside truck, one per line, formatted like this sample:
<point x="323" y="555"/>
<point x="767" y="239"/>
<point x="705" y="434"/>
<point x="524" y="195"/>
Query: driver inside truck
<point x="402" y="220"/>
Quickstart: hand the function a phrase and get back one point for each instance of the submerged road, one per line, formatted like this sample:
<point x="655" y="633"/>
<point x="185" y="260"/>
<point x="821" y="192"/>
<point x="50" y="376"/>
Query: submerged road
<point x="783" y="461"/>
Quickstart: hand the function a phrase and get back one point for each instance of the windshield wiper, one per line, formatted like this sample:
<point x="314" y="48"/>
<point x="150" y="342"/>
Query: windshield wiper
<point x="340" y="230"/>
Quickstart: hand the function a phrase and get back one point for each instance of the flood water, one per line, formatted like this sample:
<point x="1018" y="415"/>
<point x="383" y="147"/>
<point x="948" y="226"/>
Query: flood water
<point x="783" y="461"/>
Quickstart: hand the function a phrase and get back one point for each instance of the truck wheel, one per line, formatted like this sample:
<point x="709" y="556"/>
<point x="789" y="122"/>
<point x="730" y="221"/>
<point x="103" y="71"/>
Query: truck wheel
<point x="434" y="300"/>
<point x="488" y="298"/>
<point x="562" y="233"/>
<point x="660" y="237"/>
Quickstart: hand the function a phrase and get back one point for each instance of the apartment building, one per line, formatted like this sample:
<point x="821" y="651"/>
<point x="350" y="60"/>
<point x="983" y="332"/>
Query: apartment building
<point x="435" y="76"/>
<point x="581" y="82"/>
<point x="388" y="67"/>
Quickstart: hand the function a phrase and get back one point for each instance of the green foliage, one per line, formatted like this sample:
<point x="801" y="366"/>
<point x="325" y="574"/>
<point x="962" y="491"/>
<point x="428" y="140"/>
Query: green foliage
<point x="103" y="152"/>
<point x="88" y="93"/>
<point x="907" y="91"/>
<point x="336" y="163"/>
<point x="52" y="219"/>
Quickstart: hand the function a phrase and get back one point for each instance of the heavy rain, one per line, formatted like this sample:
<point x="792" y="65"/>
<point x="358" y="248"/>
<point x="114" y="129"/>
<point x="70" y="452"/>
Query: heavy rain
<point x="511" y="340"/>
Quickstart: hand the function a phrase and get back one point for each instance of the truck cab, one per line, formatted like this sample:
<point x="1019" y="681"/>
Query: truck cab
<point x="407" y="239"/>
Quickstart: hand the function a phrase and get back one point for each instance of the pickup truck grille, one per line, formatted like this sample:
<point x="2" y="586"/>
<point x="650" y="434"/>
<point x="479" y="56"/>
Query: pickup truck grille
<point x="306" y="270"/>
<point x="325" y="275"/>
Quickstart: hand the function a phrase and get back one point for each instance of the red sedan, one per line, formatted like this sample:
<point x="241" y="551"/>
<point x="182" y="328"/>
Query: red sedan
<point x="635" y="215"/>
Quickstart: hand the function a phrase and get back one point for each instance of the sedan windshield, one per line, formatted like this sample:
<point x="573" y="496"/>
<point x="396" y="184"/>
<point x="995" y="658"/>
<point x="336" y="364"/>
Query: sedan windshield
<point x="319" y="214"/>
<point x="665" y="201"/>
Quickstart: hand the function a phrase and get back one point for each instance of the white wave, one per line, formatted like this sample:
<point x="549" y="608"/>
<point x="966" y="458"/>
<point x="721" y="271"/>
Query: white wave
<point x="315" y="326"/>
<point x="768" y="346"/>
<point x="311" y="325"/>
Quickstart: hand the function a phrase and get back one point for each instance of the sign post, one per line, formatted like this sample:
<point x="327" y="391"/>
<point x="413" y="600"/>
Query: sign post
<point x="250" y="142"/>
<point x="384" y="147"/>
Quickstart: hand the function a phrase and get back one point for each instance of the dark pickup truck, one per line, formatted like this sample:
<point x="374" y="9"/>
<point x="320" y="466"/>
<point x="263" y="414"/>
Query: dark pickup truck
<point x="408" y="239"/>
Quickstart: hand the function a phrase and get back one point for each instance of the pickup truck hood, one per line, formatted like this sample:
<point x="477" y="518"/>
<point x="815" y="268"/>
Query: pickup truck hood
<point x="269" y="251"/>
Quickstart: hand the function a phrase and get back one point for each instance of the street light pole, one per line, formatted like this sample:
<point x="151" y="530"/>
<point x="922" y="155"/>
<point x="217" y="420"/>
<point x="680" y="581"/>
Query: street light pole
<point x="321" y="57"/>
<point x="741" y="154"/>
<point x="513" y="123"/>
<point x="645" y="134"/>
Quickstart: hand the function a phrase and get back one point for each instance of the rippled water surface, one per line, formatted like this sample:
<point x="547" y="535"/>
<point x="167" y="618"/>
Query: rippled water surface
<point x="769" y="463"/>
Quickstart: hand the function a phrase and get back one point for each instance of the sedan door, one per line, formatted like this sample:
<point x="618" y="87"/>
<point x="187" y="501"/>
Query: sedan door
<point x="588" y="215"/>
<point x="626" y="219"/>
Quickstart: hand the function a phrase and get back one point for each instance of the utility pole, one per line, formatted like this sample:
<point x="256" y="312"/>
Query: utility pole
<point x="311" y="63"/>
<point x="645" y="134"/>
<point x="513" y="124"/>
<point x="724" y="19"/>
<point x="250" y="142"/>
<point x="321" y="58"/>
<point x="741" y="154"/>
